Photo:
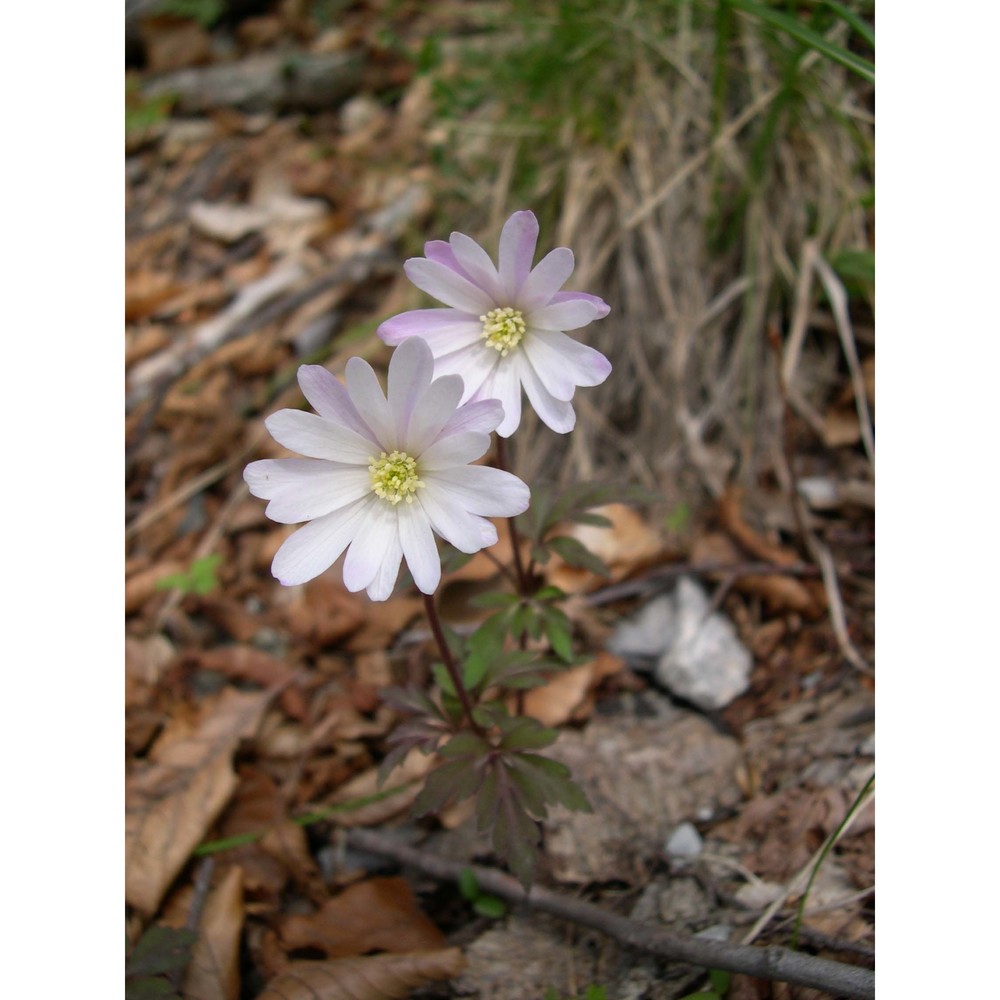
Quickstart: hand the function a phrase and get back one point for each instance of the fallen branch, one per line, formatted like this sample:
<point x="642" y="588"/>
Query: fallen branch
<point x="771" y="963"/>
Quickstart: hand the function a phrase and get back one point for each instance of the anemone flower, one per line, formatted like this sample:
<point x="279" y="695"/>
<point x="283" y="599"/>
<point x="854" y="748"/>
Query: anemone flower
<point x="504" y="327"/>
<point x="382" y="475"/>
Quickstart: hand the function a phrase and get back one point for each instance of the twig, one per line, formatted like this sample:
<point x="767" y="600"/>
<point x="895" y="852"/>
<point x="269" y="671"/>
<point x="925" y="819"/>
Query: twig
<point x="820" y="553"/>
<point x="202" y="883"/>
<point x="772" y="963"/>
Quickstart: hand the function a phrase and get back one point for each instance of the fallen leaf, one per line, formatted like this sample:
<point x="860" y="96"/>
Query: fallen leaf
<point x="562" y="697"/>
<point x="379" y="914"/>
<point x="624" y="547"/>
<point x="214" y="970"/>
<point x="378" y="977"/>
<point x="415" y="765"/>
<point x="173" y="799"/>
<point x="145" y="291"/>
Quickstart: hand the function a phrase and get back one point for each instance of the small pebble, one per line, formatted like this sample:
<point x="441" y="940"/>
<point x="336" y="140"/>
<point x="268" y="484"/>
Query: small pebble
<point x="685" y="842"/>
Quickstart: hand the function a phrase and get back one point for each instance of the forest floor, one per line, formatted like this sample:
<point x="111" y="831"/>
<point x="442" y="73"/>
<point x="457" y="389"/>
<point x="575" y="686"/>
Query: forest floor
<point x="266" y="230"/>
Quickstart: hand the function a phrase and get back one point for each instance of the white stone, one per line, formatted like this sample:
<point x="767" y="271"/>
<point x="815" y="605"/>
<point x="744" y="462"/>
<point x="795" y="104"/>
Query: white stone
<point x="685" y="842"/>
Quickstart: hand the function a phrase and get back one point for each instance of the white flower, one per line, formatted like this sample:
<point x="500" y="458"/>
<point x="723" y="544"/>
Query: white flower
<point x="504" y="328"/>
<point x="382" y="475"/>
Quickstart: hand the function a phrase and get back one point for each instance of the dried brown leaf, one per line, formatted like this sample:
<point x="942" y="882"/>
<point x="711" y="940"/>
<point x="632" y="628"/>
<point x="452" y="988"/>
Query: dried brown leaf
<point x="214" y="970"/>
<point x="414" y="766"/>
<point x="627" y="545"/>
<point x="172" y="800"/>
<point x="378" y="977"/>
<point x="379" y="914"/>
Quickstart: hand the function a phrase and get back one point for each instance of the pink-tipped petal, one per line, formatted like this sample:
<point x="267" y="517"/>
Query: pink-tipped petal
<point x="447" y="286"/>
<point x="410" y="371"/>
<point x="301" y="489"/>
<point x="517" y="250"/>
<point x="601" y="307"/>
<point x="315" y="437"/>
<point x="366" y="394"/>
<point x="550" y="274"/>
<point x="476" y="264"/>
<point x="330" y="399"/>
<point x="443" y="329"/>
<point x="318" y="545"/>
<point x="419" y="548"/>
<point x="441" y="251"/>
<point x="563" y="315"/>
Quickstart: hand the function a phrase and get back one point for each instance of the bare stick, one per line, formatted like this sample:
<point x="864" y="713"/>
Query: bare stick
<point x="771" y="963"/>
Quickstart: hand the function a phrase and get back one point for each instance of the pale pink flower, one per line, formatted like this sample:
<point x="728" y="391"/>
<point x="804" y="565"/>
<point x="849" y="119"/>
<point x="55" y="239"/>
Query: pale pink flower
<point x="382" y="475"/>
<point x="504" y="326"/>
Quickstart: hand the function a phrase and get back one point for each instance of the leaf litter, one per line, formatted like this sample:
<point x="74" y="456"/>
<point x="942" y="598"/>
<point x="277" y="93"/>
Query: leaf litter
<point x="259" y="238"/>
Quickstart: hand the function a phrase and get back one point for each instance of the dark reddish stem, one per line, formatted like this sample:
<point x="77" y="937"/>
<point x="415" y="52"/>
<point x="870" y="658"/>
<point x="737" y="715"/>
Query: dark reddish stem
<point x="449" y="663"/>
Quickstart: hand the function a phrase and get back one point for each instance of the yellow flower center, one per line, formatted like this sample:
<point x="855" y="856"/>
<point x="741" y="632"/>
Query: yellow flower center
<point x="394" y="477"/>
<point x="503" y="329"/>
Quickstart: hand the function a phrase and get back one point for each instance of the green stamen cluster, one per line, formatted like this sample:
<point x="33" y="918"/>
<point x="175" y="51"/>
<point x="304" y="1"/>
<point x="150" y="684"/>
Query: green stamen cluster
<point x="503" y="329"/>
<point x="394" y="477"/>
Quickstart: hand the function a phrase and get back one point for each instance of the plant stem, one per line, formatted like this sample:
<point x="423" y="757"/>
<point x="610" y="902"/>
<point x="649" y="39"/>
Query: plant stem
<point x="523" y="585"/>
<point x="449" y="663"/>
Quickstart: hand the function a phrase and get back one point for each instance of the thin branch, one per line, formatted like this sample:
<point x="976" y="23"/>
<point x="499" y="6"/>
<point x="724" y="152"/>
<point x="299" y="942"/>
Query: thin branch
<point x="772" y="963"/>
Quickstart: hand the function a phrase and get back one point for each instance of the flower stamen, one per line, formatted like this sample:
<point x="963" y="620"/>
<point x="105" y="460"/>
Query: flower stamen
<point x="394" y="477"/>
<point x="503" y="329"/>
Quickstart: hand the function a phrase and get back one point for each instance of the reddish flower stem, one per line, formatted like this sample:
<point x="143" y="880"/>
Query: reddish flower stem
<point x="523" y="583"/>
<point x="450" y="665"/>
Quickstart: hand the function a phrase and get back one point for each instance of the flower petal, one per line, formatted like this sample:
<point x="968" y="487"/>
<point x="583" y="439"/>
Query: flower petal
<point x="318" y="545"/>
<point x="456" y="449"/>
<point x="373" y="544"/>
<point x="443" y="329"/>
<point x="476" y="363"/>
<point x="433" y="409"/>
<point x="557" y="359"/>
<point x="569" y="315"/>
<point x="483" y="490"/>
<point x="505" y="385"/>
<point x="599" y="304"/>
<point x="366" y="394"/>
<point x="555" y="413"/>
<point x="316" y="437"/>
<point x="467" y="532"/>
<point x="381" y="588"/>
<point x="301" y="489"/>
<point x="447" y="285"/>
<point x="330" y="399"/>
<point x="546" y="279"/>
<point x="484" y="415"/>
<point x="517" y="250"/>
<point x="441" y="251"/>
<point x="410" y="371"/>
<point x="419" y="548"/>
<point x="476" y="264"/>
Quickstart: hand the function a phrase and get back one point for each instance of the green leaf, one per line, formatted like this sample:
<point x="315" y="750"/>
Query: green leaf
<point x="595" y="992"/>
<point x="161" y="951"/>
<point x="553" y="778"/>
<point x="574" y="553"/>
<point x="490" y="906"/>
<point x="720" y="980"/>
<point x="526" y="733"/>
<point x="492" y="599"/>
<point x="468" y="885"/>
<point x="451" y="782"/>
<point x="550" y="594"/>
<point x="465" y="745"/>
<point x="199" y="579"/>
<point x="802" y="33"/>
<point x="148" y="988"/>
<point x="558" y="630"/>
<point x="597" y="520"/>
<point x="859" y="24"/>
